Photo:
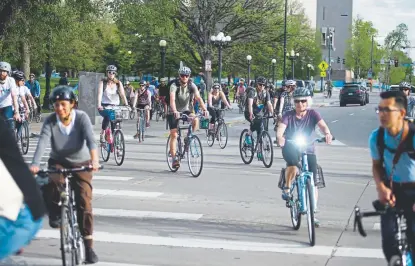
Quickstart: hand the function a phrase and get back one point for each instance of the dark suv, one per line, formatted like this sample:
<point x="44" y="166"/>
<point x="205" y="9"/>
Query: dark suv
<point x="353" y="94"/>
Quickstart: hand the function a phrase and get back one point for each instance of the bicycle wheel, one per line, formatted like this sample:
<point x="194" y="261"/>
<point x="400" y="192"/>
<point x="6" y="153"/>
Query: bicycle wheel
<point x="30" y="118"/>
<point x="295" y="207"/>
<point x="195" y="152"/>
<point x="245" y="148"/>
<point x="105" y="149"/>
<point x="79" y="242"/>
<point x="395" y="261"/>
<point x="142" y="128"/>
<point x="210" y="138"/>
<point x="157" y="113"/>
<point x="24" y="137"/>
<point x="310" y="213"/>
<point x="119" y="147"/>
<point x="168" y="156"/>
<point x="67" y="253"/>
<point x="223" y="135"/>
<point x="267" y="149"/>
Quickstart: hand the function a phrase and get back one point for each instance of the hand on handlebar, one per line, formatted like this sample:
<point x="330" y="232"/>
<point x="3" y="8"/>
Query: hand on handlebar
<point x="329" y="138"/>
<point x="385" y="195"/>
<point x="34" y="169"/>
<point x="100" y="108"/>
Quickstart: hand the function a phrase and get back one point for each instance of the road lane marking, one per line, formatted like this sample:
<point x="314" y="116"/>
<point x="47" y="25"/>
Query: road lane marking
<point x="363" y="109"/>
<point x="126" y="193"/>
<point x="111" y="178"/>
<point x="334" y="121"/>
<point x="376" y="226"/>
<point x="352" y="114"/>
<point x="52" y="262"/>
<point x="147" y="214"/>
<point x="224" y="244"/>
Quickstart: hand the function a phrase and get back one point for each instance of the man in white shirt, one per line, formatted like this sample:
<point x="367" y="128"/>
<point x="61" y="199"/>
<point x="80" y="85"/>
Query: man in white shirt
<point x="9" y="108"/>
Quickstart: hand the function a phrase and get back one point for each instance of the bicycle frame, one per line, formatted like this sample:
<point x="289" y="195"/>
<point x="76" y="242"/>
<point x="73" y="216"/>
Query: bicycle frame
<point x="301" y="182"/>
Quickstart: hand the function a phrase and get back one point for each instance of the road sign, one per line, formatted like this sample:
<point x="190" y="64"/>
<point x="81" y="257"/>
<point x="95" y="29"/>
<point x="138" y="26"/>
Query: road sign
<point x="208" y="65"/>
<point x="323" y="74"/>
<point x="323" y="65"/>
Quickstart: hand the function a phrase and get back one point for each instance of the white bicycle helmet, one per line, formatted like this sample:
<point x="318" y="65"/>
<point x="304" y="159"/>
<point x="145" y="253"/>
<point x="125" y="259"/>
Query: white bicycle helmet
<point x="290" y="83"/>
<point x="5" y="67"/>
<point x="185" y="71"/>
<point x="404" y="84"/>
<point x="111" y="68"/>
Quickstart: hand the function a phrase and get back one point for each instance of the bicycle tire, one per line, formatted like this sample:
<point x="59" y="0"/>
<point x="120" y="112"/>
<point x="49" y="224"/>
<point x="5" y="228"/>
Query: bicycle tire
<point x="30" y="117"/>
<point x="194" y="139"/>
<point x="142" y="128"/>
<point x="168" y="156"/>
<point x="223" y="125"/>
<point x="117" y="144"/>
<point x="210" y="138"/>
<point x="105" y="149"/>
<point x="25" y="138"/>
<point x="265" y="134"/>
<point x="241" y="146"/>
<point x="395" y="261"/>
<point x="79" y="242"/>
<point x="295" y="213"/>
<point x="65" y="240"/>
<point x="157" y="113"/>
<point x="310" y="213"/>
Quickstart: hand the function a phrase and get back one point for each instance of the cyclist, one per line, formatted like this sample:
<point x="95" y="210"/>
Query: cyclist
<point x="142" y="100"/>
<point x="163" y="93"/>
<point x="21" y="203"/>
<point x="300" y="121"/>
<point x="240" y="91"/>
<point x="406" y="88"/>
<point x="110" y="91"/>
<point x="9" y="107"/>
<point x="129" y="90"/>
<point x="395" y="183"/>
<point x="215" y="97"/>
<point x="73" y="145"/>
<point x="181" y="93"/>
<point x="255" y="106"/>
<point x="23" y="92"/>
<point x="34" y="88"/>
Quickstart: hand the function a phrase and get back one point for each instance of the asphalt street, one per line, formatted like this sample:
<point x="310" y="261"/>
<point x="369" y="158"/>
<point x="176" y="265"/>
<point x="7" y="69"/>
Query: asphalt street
<point x="232" y="214"/>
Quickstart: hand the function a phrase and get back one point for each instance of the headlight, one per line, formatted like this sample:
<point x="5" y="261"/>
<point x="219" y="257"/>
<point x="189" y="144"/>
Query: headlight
<point x="300" y="141"/>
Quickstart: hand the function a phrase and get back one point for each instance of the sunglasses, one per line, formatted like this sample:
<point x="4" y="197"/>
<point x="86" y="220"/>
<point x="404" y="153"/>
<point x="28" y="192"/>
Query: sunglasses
<point x="406" y="89"/>
<point x="385" y="110"/>
<point x="300" y="101"/>
<point x="184" y="76"/>
<point x="111" y="72"/>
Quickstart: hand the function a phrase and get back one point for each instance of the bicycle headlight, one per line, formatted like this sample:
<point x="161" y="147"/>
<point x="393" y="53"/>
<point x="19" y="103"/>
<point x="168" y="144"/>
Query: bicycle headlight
<point x="300" y="141"/>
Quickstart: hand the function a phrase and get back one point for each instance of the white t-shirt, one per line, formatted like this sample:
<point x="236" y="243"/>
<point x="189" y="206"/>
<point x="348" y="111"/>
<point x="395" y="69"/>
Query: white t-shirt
<point x="6" y="91"/>
<point x="23" y="91"/>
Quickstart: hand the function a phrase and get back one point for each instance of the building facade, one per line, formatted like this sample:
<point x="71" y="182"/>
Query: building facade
<point x="334" y="21"/>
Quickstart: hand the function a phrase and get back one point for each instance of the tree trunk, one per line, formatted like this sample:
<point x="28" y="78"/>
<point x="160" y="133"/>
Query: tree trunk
<point x="25" y="57"/>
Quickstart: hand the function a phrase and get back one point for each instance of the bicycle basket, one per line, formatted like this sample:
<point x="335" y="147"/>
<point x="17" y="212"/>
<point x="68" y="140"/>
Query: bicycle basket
<point x="125" y="113"/>
<point x="320" y="183"/>
<point x="204" y="123"/>
<point x="281" y="182"/>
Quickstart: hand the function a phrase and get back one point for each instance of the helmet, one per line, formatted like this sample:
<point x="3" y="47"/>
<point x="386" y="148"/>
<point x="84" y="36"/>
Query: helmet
<point x="216" y="86"/>
<point x="404" y="84"/>
<point x="261" y="80"/>
<point x="62" y="92"/>
<point x="241" y="80"/>
<point x="5" y="67"/>
<point x="301" y="93"/>
<point x="163" y="79"/>
<point x="185" y="71"/>
<point x="290" y="83"/>
<point x="18" y="75"/>
<point x="111" y="68"/>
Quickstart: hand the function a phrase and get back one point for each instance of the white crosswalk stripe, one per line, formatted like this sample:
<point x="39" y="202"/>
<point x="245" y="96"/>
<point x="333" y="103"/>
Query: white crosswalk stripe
<point x="130" y="213"/>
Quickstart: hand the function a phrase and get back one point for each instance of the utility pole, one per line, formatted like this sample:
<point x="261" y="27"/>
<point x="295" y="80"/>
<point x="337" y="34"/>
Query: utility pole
<point x="371" y="54"/>
<point x="284" y="76"/>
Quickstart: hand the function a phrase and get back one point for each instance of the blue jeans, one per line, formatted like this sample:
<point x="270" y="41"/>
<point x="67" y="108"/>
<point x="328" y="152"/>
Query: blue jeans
<point x="17" y="234"/>
<point x="7" y="114"/>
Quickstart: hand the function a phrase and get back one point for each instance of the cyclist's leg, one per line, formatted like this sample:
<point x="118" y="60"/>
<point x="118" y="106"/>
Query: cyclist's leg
<point x="213" y="117"/>
<point x="7" y="114"/>
<point x="173" y="124"/>
<point x="105" y="122"/>
<point x="51" y="195"/>
<point x="292" y="158"/>
<point x="147" y="113"/>
<point x="16" y="234"/>
<point x="388" y="228"/>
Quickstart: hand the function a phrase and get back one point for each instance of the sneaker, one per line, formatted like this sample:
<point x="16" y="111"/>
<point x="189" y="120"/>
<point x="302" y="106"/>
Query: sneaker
<point x="248" y="140"/>
<point x="90" y="256"/>
<point x="175" y="163"/>
<point x="101" y="138"/>
<point x="286" y="195"/>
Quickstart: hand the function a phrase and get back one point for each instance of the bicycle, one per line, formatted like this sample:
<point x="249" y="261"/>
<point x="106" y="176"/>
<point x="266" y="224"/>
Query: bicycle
<point x="405" y="257"/>
<point x="116" y="144"/>
<point x="241" y="103"/>
<point x="192" y="141"/>
<point x="159" y="109"/>
<point x="22" y="133"/>
<point x="303" y="185"/>
<point x="141" y="124"/>
<point x="220" y="131"/>
<point x="71" y="240"/>
<point x="263" y="139"/>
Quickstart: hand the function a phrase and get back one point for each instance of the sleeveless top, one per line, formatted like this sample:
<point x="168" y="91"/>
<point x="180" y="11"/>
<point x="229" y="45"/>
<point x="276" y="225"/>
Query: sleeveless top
<point x="142" y="99"/>
<point x="216" y="101"/>
<point x="110" y="95"/>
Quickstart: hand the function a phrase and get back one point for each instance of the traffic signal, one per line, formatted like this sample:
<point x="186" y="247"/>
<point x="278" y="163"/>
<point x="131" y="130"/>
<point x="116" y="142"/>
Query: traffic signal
<point x="396" y="62"/>
<point x="344" y="61"/>
<point x="338" y="60"/>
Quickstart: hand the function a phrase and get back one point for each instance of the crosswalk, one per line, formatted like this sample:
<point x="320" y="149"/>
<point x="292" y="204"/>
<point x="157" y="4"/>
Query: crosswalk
<point x="145" y="215"/>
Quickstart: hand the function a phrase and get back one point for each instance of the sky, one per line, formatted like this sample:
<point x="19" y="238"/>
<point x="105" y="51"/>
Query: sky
<point x="384" y="14"/>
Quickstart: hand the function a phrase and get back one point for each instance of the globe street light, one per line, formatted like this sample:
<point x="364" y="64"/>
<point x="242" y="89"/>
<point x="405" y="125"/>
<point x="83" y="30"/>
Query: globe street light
<point x="249" y="58"/>
<point x="162" y="45"/>
<point x="220" y="41"/>
<point x="309" y="68"/>
<point x="292" y="56"/>
<point x="273" y="62"/>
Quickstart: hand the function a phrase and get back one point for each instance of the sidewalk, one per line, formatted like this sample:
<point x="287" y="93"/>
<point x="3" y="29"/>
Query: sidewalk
<point x="320" y="101"/>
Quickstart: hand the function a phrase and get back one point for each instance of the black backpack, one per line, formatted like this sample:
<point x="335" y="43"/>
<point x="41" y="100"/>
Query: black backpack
<point x="407" y="146"/>
<point x="177" y="82"/>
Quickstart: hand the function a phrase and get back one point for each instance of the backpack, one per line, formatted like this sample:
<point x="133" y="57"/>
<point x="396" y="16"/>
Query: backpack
<point x="177" y="83"/>
<point x="406" y="146"/>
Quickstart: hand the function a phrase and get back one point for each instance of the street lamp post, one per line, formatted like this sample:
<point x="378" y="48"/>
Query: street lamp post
<point x="284" y="76"/>
<point x="249" y="58"/>
<point x="273" y="62"/>
<point x="220" y="41"/>
<point x="292" y="56"/>
<point x="309" y="67"/>
<point x="330" y="38"/>
<point x="162" y="45"/>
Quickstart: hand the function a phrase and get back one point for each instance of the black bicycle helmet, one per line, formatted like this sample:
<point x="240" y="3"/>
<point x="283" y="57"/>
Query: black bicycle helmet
<point x="261" y="81"/>
<point x="18" y="75"/>
<point x="62" y="93"/>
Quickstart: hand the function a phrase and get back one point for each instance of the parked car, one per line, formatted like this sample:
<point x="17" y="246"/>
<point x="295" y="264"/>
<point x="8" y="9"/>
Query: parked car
<point x="353" y="94"/>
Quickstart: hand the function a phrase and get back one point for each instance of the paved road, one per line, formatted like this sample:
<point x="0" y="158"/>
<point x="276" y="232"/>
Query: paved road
<point x="233" y="213"/>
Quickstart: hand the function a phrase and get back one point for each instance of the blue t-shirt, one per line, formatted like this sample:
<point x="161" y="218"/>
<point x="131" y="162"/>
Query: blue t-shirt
<point x="404" y="169"/>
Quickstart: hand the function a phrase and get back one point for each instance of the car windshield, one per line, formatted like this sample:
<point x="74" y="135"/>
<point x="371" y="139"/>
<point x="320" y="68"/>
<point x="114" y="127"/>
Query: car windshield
<point x="351" y="88"/>
<point x="299" y="83"/>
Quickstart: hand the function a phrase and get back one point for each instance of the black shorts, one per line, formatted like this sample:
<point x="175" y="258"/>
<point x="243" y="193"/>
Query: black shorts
<point x="173" y="122"/>
<point x="292" y="157"/>
<point x="255" y="123"/>
<point x="142" y="106"/>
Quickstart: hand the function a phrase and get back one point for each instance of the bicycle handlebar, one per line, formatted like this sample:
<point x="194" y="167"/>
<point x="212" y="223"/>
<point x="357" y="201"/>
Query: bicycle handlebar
<point x="68" y="170"/>
<point x="117" y="107"/>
